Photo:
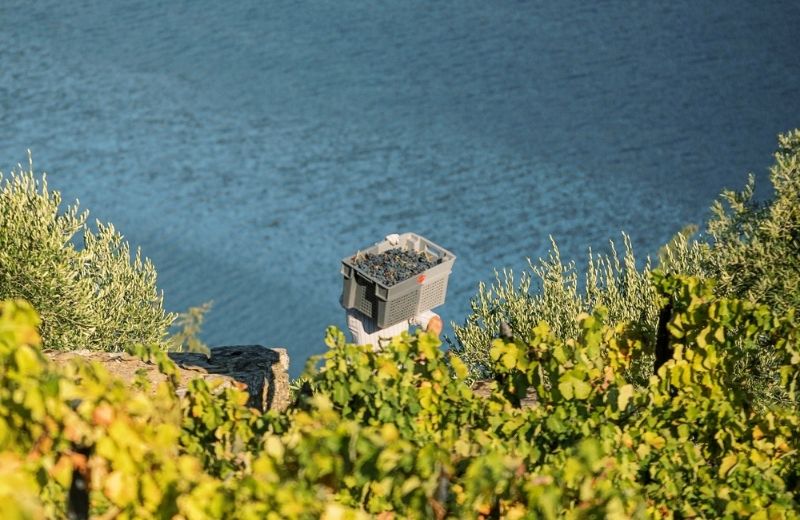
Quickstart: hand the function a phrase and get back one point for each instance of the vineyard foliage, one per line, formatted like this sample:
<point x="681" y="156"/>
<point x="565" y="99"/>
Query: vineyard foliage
<point x="400" y="433"/>
<point x="88" y="290"/>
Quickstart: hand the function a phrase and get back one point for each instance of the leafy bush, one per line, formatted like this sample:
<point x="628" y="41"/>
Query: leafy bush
<point x="755" y="251"/>
<point x="92" y="296"/>
<point x="400" y="433"/>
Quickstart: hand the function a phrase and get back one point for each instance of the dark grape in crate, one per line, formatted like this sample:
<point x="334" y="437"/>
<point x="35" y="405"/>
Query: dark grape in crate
<point x="394" y="281"/>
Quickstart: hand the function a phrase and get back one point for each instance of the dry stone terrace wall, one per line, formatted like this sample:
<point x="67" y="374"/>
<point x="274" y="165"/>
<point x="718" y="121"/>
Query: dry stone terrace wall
<point x="264" y="371"/>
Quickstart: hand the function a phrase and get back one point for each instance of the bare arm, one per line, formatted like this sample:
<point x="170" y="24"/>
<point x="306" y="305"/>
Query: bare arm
<point x="428" y="320"/>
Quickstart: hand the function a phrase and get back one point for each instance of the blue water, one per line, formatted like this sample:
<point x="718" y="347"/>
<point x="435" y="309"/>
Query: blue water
<point x="247" y="147"/>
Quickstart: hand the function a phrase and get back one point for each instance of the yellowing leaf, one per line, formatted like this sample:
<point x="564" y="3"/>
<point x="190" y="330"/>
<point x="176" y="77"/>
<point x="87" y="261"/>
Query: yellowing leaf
<point x="274" y="448"/>
<point x="542" y="330"/>
<point x="120" y="488"/>
<point x="462" y="447"/>
<point x="152" y="493"/>
<point x="411" y="483"/>
<point x="565" y="387"/>
<point x="189" y="467"/>
<point x="559" y="354"/>
<point x="728" y="462"/>
<point x="642" y="451"/>
<point x="510" y="357"/>
<point x="702" y="337"/>
<point x="27" y="360"/>
<point x="497" y="349"/>
<point x="516" y="512"/>
<point x="388" y="370"/>
<point x="582" y="389"/>
<point x="654" y="440"/>
<point x="625" y="394"/>
<point x="334" y="512"/>
<point x="389" y="433"/>
<point x="62" y="471"/>
<point x="758" y="458"/>
<point x="459" y="367"/>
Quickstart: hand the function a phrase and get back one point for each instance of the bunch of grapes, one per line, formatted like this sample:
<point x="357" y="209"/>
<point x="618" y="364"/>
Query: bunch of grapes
<point x="395" y="265"/>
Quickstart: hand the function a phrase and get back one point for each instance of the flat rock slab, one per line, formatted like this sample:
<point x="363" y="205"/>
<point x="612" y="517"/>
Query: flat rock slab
<point x="264" y="371"/>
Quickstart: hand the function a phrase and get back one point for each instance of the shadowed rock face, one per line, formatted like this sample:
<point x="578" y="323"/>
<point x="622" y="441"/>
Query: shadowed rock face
<point x="263" y="372"/>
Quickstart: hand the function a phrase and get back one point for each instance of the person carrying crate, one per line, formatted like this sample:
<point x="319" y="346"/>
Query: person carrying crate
<point x="365" y="330"/>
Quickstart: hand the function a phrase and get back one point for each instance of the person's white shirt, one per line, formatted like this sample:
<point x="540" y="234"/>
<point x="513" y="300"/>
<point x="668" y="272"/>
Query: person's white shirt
<point x="365" y="330"/>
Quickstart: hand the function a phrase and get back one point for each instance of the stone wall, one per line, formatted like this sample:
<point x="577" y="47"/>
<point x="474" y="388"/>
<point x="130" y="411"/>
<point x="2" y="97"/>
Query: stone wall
<point x="262" y="371"/>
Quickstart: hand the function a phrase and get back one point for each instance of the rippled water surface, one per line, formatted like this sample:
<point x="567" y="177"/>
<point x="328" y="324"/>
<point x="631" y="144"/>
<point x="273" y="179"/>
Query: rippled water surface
<point x="249" y="146"/>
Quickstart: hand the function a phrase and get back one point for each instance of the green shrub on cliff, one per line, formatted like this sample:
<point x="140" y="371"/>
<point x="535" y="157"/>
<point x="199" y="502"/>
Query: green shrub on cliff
<point x="91" y="295"/>
<point x="755" y="248"/>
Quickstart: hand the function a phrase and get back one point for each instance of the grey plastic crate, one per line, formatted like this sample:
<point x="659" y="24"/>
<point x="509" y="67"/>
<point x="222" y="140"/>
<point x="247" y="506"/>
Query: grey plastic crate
<point x="390" y="305"/>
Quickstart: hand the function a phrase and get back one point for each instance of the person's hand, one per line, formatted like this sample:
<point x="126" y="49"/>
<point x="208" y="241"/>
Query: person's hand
<point x="434" y="325"/>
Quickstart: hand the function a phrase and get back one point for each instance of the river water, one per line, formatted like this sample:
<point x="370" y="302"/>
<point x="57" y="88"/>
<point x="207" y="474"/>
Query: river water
<point x="249" y="146"/>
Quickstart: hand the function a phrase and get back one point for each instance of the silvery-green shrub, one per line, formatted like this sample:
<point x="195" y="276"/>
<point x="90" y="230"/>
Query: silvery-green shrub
<point x="751" y="250"/>
<point x="89" y="290"/>
<point x="754" y="253"/>
<point x="550" y="292"/>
